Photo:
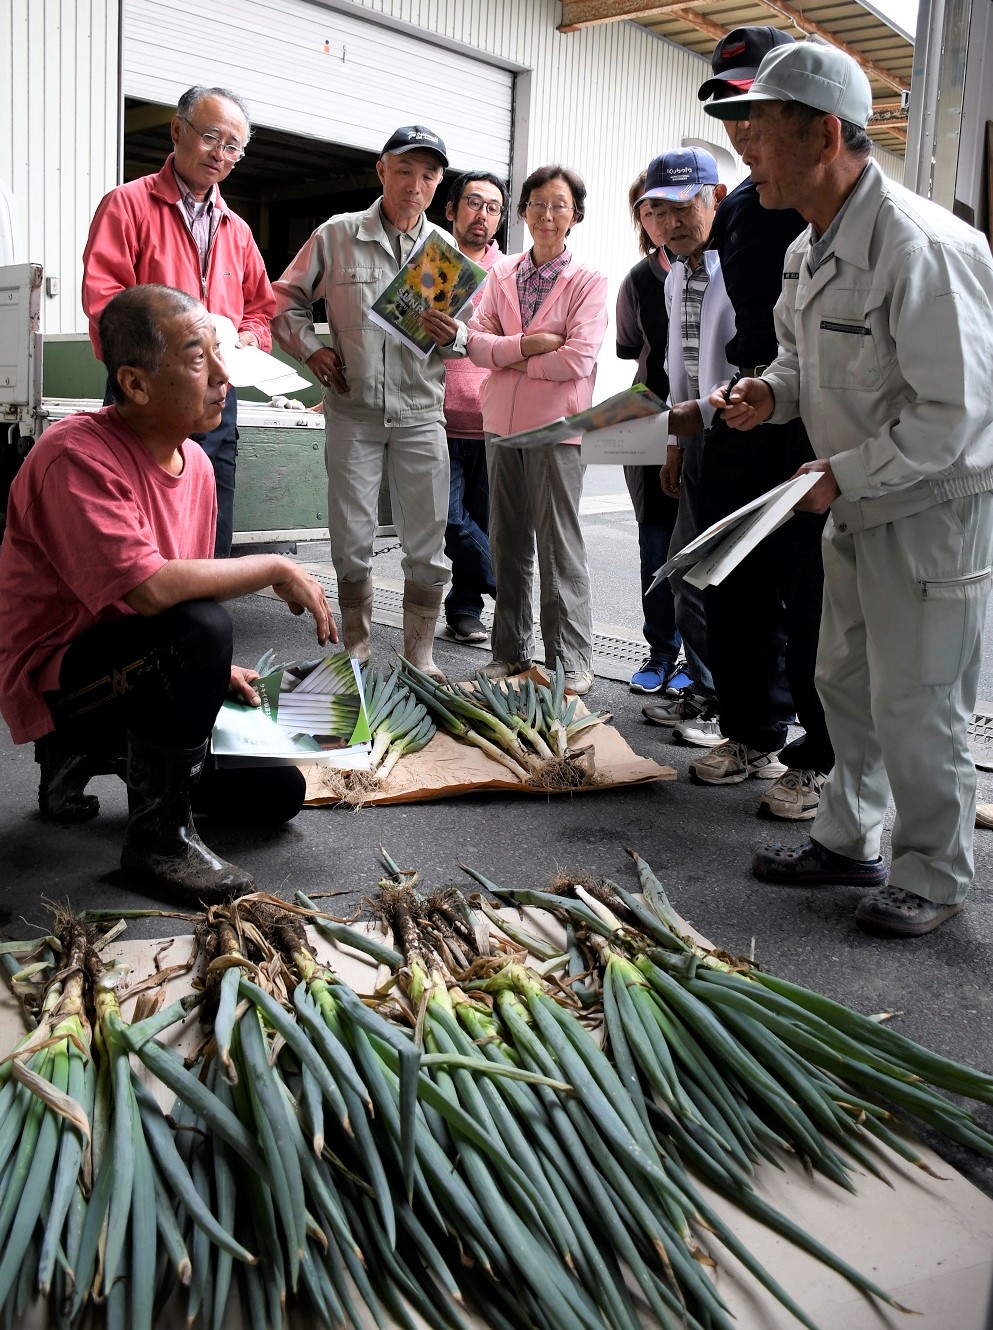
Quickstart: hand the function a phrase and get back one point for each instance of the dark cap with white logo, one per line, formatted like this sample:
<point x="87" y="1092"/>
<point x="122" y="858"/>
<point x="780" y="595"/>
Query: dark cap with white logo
<point x="409" y="137"/>
<point x="678" y="176"/>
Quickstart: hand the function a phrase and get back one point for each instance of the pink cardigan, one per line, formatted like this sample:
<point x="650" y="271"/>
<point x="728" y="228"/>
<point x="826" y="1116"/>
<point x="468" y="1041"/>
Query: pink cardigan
<point x="556" y="383"/>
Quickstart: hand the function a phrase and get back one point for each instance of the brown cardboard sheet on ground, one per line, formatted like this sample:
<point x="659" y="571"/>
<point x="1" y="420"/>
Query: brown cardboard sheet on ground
<point x="927" y="1240"/>
<point x="448" y="767"/>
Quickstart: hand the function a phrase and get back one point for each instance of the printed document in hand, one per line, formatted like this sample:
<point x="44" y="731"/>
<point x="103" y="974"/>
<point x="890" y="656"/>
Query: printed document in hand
<point x="631" y="443"/>
<point x="718" y="550"/>
<point x="248" y="367"/>
<point x="632" y="404"/>
<point x="310" y="711"/>
<point x="438" y="276"/>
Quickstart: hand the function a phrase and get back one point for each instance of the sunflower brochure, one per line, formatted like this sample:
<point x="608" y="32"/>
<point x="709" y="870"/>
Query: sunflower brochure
<point x="309" y="711"/>
<point x="436" y="276"/>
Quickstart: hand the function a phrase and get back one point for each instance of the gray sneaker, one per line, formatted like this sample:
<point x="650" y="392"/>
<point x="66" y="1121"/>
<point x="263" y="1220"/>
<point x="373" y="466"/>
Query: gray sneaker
<point x="731" y="763"/>
<point x="794" y="797"/>
<point x="702" y="731"/>
<point x="675" y="710"/>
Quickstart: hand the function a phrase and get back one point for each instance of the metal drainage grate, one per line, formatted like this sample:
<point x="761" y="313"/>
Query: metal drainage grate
<point x="615" y="655"/>
<point x="981" y="735"/>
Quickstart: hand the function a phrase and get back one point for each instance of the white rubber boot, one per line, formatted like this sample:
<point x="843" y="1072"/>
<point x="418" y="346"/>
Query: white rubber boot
<point x="421" y="607"/>
<point x="355" y="603"/>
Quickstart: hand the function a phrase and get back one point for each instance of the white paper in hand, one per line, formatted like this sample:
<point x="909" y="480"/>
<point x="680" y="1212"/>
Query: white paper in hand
<point x="717" y="551"/>
<point x="630" y="443"/>
<point x="248" y="367"/>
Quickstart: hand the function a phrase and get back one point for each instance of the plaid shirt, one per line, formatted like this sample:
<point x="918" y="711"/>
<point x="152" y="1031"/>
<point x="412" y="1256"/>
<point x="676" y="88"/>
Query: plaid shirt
<point x="201" y="218"/>
<point x="535" y="284"/>
<point x="693" y="292"/>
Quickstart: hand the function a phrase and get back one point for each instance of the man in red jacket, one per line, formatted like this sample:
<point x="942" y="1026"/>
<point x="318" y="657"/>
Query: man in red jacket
<point x="173" y="228"/>
<point x="477" y="205"/>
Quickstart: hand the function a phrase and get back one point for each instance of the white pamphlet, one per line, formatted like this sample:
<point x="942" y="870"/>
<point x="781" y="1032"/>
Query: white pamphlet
<point x="639" y="442"/>
<point x="718" y="550"/>
<point x="248" y="367"/>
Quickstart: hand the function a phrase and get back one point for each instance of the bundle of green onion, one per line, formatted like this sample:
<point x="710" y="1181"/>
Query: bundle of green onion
<point x="528" y="728"/>
<point x="398" y="722"/>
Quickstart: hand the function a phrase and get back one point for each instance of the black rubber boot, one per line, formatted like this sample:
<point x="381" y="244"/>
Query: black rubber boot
<point x="161" y="847"/>
<point x="63" y="780"/>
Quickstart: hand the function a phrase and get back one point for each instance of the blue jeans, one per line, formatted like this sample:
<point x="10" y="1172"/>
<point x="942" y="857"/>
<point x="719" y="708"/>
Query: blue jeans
<point x="466" y="542"/>
<point x="660" y="629"/>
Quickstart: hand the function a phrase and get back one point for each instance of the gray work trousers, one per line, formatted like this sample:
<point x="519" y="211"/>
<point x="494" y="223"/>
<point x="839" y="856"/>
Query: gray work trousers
<point x="898" y="670"/>
<point x="534" y="502"/>
<point x="416" y="460"/>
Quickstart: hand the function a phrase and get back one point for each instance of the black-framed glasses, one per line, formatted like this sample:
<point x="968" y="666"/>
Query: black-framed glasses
<point x="476" y="203"/>
<point x="211" y="141"/>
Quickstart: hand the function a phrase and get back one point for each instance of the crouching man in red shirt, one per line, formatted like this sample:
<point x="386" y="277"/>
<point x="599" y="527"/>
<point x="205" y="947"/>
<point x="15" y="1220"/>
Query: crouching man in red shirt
<point x="115" y="652"/>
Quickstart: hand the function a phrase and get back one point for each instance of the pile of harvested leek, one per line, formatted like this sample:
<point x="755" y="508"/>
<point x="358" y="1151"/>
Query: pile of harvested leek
<point x="458" y="1140"/>
<point x="529" y="728"/>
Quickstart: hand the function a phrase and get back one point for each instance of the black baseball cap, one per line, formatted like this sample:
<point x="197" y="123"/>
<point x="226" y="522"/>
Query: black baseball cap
<point x="737" y="57"/>
<point x="409" y="137"/>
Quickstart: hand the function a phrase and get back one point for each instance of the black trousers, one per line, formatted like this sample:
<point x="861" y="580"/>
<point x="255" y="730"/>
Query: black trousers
<point x="763" y="620"/>
<point x="163" y="677"/>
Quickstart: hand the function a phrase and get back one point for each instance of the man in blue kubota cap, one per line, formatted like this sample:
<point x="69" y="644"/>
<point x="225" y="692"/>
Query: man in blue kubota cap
<point x="772" y="600"/>
<point x="885" y="330"/>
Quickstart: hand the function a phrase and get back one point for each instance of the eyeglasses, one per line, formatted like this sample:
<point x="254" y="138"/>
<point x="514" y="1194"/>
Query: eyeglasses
<point x="477" y="204"/>
<point x="232" y="151"/>
<point x="557" y="209"/>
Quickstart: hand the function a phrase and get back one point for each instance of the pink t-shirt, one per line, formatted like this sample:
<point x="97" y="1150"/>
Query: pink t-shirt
<point x="90" y="517"/>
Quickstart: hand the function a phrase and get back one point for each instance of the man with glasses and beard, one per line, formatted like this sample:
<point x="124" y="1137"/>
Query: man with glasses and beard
<point x="174" y="229"/>
<point x="477" y="205"/>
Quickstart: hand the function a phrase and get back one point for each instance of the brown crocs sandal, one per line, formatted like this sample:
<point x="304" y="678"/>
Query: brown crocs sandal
<point x="892" y="912"/>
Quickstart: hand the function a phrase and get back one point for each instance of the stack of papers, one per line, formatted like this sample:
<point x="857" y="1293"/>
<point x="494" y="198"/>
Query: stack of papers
<point x="718" y="550"/>
<point x="248" y="367"/>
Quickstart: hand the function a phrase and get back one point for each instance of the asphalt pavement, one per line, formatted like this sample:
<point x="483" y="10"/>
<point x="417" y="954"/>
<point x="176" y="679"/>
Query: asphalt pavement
<point x="698" y="839"/>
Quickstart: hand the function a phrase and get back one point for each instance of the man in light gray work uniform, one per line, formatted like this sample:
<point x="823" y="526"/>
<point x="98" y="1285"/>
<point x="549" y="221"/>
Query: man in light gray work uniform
<point x="382" y="402"/>
<point x="885" y="329"/>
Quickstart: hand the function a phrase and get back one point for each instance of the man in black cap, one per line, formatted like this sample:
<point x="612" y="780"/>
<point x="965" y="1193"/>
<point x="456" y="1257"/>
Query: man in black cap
<point x="762" y="620"/>
<point x="383" y="403"/>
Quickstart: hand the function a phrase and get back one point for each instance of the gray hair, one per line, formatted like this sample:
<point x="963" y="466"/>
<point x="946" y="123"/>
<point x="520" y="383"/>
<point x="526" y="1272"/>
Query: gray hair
<point x="131" y="328"/>
<point x="706" y="194"/>
<point x="190" y="99"/>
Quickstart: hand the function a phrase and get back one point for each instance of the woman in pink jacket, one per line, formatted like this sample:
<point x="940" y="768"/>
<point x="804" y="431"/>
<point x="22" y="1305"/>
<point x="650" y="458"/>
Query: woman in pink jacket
<point x="538" y="329"/>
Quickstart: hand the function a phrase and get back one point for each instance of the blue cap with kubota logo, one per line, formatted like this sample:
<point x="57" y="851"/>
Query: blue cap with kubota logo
<point x="678" y="176"/>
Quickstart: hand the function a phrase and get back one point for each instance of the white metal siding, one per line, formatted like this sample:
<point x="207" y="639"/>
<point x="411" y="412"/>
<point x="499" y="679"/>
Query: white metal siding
<point x="604" y="100"/>
<point x="58" y="134"/>
<point x="371" y="78"/>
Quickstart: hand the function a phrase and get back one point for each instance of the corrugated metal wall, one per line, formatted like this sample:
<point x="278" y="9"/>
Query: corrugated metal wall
<point x="58" y="133"/>
<point x="325" y="75"/>
<point x="604" y="100"/>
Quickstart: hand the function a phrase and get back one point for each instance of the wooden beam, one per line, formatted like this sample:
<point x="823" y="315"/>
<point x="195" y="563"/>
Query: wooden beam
<point x="799" y="20"/>
<point x="700" y="22"/>
<point x="577" y="14"/>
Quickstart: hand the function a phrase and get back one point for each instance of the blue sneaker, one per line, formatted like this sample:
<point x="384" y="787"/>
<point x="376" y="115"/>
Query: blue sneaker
<point x="679" y="680"/>
<point x="649" y="677"/>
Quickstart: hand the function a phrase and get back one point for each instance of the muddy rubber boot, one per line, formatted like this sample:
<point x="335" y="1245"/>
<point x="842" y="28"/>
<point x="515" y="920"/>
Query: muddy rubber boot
<point x="162" y="850"/>
<point x="355" y="603"/>
<point x="421" y="607"/>
<point x="63" y="780"/>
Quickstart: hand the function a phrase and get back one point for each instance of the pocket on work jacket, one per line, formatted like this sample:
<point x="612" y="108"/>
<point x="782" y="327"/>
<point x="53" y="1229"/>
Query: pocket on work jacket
<point x="854" y="347"/>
